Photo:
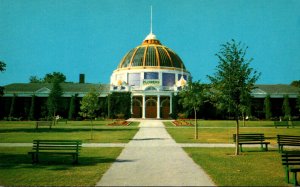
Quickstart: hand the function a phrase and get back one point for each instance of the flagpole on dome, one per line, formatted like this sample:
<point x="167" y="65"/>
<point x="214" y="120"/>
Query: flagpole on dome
<point x="151" y="19"/>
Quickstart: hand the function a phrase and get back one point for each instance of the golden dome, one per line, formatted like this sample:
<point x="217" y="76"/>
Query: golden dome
<point x="151" y="53"/>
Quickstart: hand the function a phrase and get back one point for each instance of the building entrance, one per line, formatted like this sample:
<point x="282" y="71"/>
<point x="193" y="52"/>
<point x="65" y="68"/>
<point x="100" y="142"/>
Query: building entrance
<point x="151" y="108"/>
<point x="136" y="108"/>
<point x="165" y="108"/>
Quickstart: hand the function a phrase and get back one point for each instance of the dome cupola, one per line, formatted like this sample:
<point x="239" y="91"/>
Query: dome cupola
<point x="151" y="54"/>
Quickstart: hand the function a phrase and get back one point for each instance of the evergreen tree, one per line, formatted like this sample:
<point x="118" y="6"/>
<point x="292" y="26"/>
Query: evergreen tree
<point x="72" y="107"/>
<point x="12" y="110"/>
<point x="119" y="103"/>
<point x="54" y="99"/>
<point x="267" y="107"/>
<point x="32" y="109"/>
<point x="298" y="103"/>
<point x="286" y="109"/>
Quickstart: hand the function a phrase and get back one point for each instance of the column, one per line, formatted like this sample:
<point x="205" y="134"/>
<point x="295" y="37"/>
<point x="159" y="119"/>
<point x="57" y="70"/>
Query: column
<point x="158" y="107"/>
<point x="131" y="105"/>
<point x="144" y="107"/>
<point x="171" y="104"/>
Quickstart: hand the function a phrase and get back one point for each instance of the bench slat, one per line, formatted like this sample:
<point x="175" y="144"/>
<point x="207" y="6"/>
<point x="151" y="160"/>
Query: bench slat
<point x="255" y="138"/>
<point x="287" y="140"/>
<point x="56" y="147"/>
<point x="291" y="159"/>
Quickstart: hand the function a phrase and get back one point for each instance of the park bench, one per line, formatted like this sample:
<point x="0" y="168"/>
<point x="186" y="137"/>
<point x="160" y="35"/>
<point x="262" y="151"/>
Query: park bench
<point x="287" y="140"/>
<point x="291" y="163"/>
<point x="62" y="120"/>
<point x="43" y="123"/>
<point x="55" y="147"/>
<point x="252" y="139"/>
<point x="281" y="124"/>
<point x="295" y="123"/>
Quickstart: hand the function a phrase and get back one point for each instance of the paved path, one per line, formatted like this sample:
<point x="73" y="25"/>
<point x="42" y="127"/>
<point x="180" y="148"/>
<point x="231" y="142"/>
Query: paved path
<point x="153" y="158"/>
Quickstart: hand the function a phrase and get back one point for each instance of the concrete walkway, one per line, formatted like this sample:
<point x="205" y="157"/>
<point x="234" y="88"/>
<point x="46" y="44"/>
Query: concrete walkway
<point x="153" y="158"/>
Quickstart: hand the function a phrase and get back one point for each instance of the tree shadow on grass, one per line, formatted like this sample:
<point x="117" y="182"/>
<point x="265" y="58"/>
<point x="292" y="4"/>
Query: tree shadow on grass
<point x="50" y="162"/>
<point x="63" y="130"/>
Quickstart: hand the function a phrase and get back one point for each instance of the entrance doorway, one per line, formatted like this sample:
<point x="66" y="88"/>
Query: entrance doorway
<point x="151" y="108"/>
<point x="165" y="108"/>
<point x="136" y="108"/>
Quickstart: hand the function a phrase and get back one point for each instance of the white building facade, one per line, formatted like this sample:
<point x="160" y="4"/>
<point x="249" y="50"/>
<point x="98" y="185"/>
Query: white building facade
<point x="153" y="73"/>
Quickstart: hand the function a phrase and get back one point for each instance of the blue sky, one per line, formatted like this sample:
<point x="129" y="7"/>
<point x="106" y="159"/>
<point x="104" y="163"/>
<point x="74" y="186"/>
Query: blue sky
<point x="92" y="36"/>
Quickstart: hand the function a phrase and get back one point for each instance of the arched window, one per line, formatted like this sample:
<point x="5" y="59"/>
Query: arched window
<point x="150" y="88"/>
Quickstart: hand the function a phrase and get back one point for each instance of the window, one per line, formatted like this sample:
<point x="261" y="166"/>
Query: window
<point x="134" y="79"/>
<point x="168" y="79"/>
<point x="151" y="75"/>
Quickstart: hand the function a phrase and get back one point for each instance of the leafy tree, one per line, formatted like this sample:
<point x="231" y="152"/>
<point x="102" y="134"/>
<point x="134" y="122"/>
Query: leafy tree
<point x="72" y="107"/>
<point x="55" y="76"/>
<point x="233" y="81"/>
<point x="35" y="79"/>
<point x="54" y="99"/>
<point x="267" y="107"/>
<point x="286" y="109"/>
<point x="296" y="83"/>
<point x="2" y="68"/>
<point x="191" y="98"/>
<point x="32" y="108"/>
<point x="49" y="78"/>
<point x="89" y="106"/>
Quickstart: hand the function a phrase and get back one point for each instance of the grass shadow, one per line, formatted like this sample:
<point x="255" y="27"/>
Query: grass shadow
<point x="63" y="130"/>
<point x="50" y="162"/>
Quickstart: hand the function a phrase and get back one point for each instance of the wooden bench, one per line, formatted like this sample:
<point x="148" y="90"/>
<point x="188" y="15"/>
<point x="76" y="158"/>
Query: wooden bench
<point x="291" y="163"/>
<point x="281" y="124"/>
<point x="43" y="123"/>
<point x="252" y="139"/>
<point x="287" y="140"/>
<point x="55" y="147"/>
<point x="62" y="120"/>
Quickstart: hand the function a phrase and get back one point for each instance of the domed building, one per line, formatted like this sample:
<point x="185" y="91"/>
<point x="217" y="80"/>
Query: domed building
<point x="152" y="72"/>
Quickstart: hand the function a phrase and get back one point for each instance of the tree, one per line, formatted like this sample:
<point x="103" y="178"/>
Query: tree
<point x="286" y="109"/>
<point x="192" y="97"/>
<point x="89" y="106"/>
<point x="12" y="110"/>
<point x="119" y="103"/>
<point x="296" y="83"/>
<point x="54" y="77"/>
<point x="233" y="81"/>
<point x="35" y="79"/>
<point x="49" y="78"/>
<point x="71" y="114"/>
<point x="32" y="108"/>
<point x="267" y="107"/>
<point x="2" y="68"/>
<point x="54" y="99"/>
<point x="298" y="103"/>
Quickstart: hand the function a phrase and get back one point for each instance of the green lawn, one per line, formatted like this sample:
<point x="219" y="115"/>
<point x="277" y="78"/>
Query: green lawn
<point x="223" y="134"/>
<point x="252" y="168"/>
<point x="16" y="168"/>
<point x="11" y="132"/>
<point x="228" y="123"/>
